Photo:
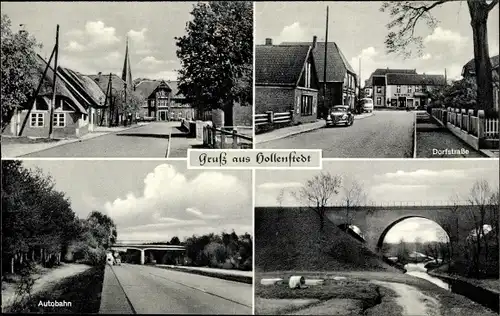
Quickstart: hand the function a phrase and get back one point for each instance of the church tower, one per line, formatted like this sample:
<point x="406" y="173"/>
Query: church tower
<point x="127" y="73"/>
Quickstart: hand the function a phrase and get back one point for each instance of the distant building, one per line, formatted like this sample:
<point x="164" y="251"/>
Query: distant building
<point x="341" y="79"/>
<point x="469" y="71"/>
<point x="162" y="100"/>
<point x="286" y="80"/>
<point x="410" y="90"/>
<point x="402" y="87"/>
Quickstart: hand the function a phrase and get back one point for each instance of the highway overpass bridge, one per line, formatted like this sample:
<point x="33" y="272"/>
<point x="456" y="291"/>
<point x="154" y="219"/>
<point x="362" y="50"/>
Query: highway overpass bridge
<point x="143" y="246"/>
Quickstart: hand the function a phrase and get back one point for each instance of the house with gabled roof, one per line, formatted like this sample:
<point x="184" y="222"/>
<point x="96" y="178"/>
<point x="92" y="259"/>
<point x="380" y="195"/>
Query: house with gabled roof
<point x="341" y="79"/>
<point x="162" y="100"/>
<point x="286" y="80"/>
<point x="75" y="100"/>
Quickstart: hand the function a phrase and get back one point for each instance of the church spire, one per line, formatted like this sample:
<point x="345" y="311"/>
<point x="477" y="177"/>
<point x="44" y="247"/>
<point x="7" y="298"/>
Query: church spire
<point x="127" y="73"/>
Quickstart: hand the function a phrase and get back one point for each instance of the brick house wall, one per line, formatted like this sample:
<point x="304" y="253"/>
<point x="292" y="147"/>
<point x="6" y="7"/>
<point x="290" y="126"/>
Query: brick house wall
<point x="276" y="99"/>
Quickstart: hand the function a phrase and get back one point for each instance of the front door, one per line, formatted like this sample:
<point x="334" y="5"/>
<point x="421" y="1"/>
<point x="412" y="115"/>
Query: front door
<point x="402" y="102"/>
<point x="163" y="115"/>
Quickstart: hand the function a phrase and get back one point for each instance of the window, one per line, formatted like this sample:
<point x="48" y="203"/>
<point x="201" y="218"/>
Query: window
<point x="417" y="88"/>
<point x="36" y="119"/>
<point x="409" y="89"/>
<point x="307" y="78"/>
<point x="379" y="101"/>
<point x="379" y="89"/>
<point x="306" y="105"/>
<point x="424" y="88"/>
<point x="398" y="89"/>
<point x="63" y="105"/>
<point x="59" y="120"/>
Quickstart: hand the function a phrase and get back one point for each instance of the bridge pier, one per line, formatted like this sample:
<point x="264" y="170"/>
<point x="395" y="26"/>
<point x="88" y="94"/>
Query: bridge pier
<point x="143" y="257"/>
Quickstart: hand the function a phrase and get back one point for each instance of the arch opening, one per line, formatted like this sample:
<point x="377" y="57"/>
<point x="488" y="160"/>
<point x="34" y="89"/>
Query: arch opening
<point x="414" y="240"/>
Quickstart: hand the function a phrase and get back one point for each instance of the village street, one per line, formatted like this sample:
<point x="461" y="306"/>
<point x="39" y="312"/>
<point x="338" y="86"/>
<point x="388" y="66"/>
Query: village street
<point x="386" y="134"/>
<point x="148" y="141"/>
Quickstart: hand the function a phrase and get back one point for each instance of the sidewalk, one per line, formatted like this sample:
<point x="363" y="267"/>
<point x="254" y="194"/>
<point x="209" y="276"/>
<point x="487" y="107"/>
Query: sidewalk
<point x="232" y="275"/>
<point x="13" y="149"/>
<point x="297" y="129"/>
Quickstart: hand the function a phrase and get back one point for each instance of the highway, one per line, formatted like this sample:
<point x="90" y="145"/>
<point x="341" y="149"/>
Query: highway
<point x="152" y="290"/>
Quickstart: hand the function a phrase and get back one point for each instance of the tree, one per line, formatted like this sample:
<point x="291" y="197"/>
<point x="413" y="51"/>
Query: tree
<point x="317" y="193"/>
<point x="175" y="241"/>
<point x="460" y="94"/>
<point x="216" y="56"/>
<point x="405" y="17"/>
<point x="354" y="196"/>
<point x="18" y="59"/>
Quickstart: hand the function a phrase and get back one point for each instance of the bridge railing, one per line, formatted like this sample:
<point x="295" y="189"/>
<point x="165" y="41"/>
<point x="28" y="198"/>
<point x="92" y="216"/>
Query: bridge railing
<point x="405" y="203"/>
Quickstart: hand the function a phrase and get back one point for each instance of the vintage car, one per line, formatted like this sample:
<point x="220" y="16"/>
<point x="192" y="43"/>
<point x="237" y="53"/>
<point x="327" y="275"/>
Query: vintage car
<point x="366" y="105"/>
<point x="340" y="114"/>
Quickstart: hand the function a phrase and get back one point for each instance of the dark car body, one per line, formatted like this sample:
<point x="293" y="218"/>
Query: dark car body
<point x="339" y="115"/>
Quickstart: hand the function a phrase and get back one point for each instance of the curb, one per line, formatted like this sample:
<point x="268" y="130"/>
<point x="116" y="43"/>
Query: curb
<point x="415" y="136"/>
<point x="488" y="153"/>
<point x="229" y="277"/>
<point x="306" y="130"/>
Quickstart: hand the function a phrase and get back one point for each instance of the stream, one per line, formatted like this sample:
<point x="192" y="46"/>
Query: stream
<point x="418" y="270"/>
<point x="477" y="294"/>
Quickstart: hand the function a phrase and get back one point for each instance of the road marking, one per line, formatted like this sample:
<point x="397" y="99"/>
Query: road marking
<point x="199" y="289"/>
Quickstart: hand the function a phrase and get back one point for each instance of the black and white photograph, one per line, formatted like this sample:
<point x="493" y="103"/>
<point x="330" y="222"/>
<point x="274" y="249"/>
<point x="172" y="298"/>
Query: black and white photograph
<point x="127" y="237"/>
<point x="373" y="79"/>
<point x="365" y="237"/>
<point x="132" y="79"/>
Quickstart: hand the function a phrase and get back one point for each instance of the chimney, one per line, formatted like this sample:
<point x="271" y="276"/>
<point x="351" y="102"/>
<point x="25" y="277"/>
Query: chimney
<point x="315" y="39"/>
<point x="269" y="41"/>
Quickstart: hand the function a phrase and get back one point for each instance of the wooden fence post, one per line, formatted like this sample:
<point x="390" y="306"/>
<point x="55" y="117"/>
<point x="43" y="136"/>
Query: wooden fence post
<point x="213" y="139"/>
<point x="235" y="139"/>
<point x="481" y="121"/>
<point x="222" y="139"/>
<point x="470" y="114"/>
<point x="270" y="117"/>
<point x="291" y="116"/>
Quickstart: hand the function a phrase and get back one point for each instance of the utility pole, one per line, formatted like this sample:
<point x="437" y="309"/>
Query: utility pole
<point x="54" y="87"/>
<point x="359" y="80"/>
<point x="325" y="65"/>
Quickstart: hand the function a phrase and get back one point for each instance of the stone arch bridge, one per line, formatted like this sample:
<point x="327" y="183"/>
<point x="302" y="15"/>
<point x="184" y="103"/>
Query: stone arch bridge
<point x="376" y="221"/>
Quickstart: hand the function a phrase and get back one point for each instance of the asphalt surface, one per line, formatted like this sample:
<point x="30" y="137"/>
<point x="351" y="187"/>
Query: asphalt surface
<point x="148" y="141"/>
<point x="153" y="290"/>
<point x="386" y="134"/>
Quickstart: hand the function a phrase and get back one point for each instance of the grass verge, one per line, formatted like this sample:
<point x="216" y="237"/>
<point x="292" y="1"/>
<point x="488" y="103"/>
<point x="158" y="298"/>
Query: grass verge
<point x="83" y="291"/>
<point x="236" y="278"/>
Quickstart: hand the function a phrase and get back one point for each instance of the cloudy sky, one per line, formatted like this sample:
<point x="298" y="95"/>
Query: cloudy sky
<point x="359" y="28"/>
<point x="387" y="182"/>
<point x="93" y="34"/>
<point x="151" y="200"/>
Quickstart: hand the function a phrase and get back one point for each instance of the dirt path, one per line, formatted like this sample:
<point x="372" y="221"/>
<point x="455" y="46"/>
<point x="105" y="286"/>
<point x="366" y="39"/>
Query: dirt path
<point x="43" y="281"/>
<point x="412" y="300"/>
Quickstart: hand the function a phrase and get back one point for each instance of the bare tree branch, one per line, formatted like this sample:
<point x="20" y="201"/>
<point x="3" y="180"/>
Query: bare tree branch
<point x="492" y="5"/>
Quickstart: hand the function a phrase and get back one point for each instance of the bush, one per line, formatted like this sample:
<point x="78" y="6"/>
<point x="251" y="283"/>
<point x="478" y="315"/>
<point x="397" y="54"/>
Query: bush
<point x="95" y="256"/>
